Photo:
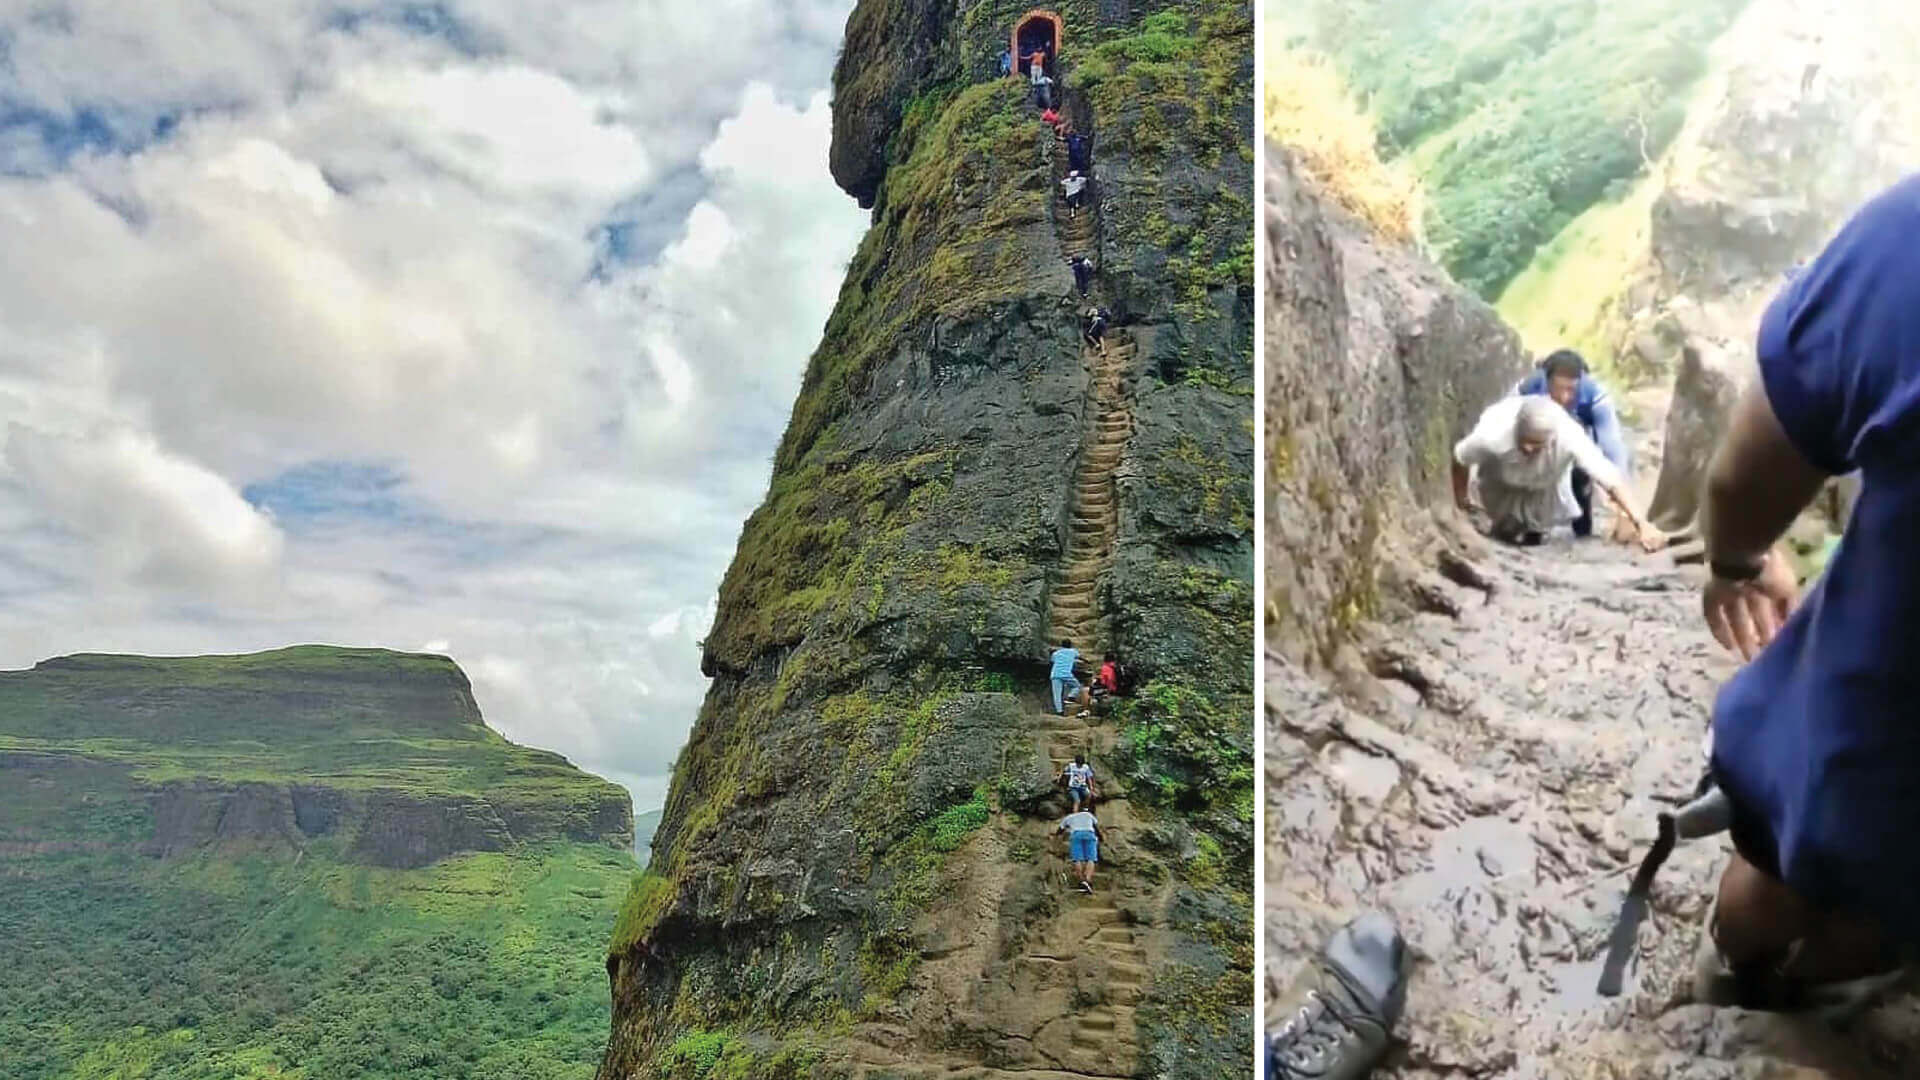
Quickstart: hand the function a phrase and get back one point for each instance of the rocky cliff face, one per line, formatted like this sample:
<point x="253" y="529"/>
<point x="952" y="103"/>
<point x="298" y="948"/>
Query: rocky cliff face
<point x="1377" y="364"/>
<point x="854" y="871"/>
<point x="381" y="753"/>
<point x="1769" y="165"/>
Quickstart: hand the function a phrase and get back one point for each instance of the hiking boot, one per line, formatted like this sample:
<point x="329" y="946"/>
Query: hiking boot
<point x="1764" y="989"/>
<point x="1343" y="1023"/>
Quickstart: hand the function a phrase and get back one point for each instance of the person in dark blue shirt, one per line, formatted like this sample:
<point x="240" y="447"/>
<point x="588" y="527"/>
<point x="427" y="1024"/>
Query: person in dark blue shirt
<point x="1563" y="377"/>
<point x="1814" y="741"/>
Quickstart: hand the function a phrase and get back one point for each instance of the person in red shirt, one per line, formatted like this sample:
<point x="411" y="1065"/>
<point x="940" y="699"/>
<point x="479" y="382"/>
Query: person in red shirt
<point x="1051" y="119"/>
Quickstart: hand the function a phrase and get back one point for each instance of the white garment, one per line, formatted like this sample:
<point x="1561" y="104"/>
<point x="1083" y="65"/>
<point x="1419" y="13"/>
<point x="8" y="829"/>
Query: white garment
<point x="1080" y="822"/>
<point x="1080" y="774"/>
<point x="1534" y="493"/>
<point x="1074" y="184"/>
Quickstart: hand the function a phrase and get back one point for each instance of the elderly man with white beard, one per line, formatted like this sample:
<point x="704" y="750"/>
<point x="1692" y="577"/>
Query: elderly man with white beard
<point x="1520" y="457"/>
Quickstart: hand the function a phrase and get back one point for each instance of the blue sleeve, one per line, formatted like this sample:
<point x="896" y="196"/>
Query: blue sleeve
<point x="1606" y="432"/>
<point x="1535" y="383"/>
<point x="1839" y="347"/>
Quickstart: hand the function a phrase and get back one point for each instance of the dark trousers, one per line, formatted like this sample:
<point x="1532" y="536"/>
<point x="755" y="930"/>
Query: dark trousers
<point x="1081" y="278"/>
<point x="1583" y="494"/>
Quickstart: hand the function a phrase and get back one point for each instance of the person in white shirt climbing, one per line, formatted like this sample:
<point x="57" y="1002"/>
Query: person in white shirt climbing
<point x="1083" y="845"/>
<point x="1075" y="186"/>
<point x="1079" y="777"/>
<point x="1521" y="457"/>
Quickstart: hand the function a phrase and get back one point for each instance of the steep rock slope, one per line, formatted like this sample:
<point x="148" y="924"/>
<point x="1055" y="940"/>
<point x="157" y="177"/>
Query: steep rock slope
<point x="1480" y="743"/>
<point x="854" y="873"/>
<point x="313" y="859"/>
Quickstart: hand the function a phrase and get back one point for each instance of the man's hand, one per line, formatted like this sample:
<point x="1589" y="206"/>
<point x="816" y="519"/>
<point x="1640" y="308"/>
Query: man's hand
<point x="1651" y="539"/>
<point x="1745" y="615"/>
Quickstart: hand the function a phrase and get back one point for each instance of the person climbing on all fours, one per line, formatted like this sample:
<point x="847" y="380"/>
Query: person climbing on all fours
<point x="1082" y="273"/>
<point x="1006" y="62"/>
<point x="1107" y="681"/>
<point x="1094" y="330"/>
<point x="1075" y="185"/>
<point x="1083" y="845"/>
<point x="1520" y="456"/>
<point x="1563" y="377"/>
<point x="1812" y="741"/>
<point x="1079" y="777"/>
<point x="1077" y="157"/>
<point x="1065" y="683"/>
<point x="1050" y="118"/>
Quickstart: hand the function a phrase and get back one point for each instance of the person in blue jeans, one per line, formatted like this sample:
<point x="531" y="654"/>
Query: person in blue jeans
<point x="1083" y="845"/>
<point x="1065" y="684"/>
<point x="1813" y="741"/>
<point x="1563" y="377"/>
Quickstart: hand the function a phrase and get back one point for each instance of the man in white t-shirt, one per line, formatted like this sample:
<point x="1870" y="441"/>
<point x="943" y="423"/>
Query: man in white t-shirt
<point x="1520" y="457"/>
<point x="1079" y="777"/>
<point x="1075" y="186"/>
<point x="1083" y="845"/>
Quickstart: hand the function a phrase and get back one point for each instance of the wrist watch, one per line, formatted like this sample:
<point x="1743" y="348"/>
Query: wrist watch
<point x="1745" y="570"/>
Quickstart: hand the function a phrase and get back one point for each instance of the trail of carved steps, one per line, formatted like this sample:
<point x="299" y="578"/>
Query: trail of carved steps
<point x="1093" y="515"/>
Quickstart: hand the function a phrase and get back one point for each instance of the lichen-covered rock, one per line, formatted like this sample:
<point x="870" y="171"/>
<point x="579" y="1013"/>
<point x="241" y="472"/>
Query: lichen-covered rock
<point x="853" y="866"/>
<point x="1377" y="364"/>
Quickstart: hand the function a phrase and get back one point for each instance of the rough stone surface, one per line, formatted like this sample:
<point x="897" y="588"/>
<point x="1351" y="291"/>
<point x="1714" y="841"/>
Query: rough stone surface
<point x="1376" y="365"/>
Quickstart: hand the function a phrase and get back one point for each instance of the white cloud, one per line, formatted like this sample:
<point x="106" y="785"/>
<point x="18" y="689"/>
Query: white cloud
<point x="362" y="244"/>
<point x="152" y="516"/>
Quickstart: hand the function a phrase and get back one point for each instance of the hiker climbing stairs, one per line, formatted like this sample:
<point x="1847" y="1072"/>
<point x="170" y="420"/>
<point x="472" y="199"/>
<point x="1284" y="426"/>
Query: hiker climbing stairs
<point x="1094" y="515"/>
<point x="1076" y="232"/>
<point x="1091" y="931"/>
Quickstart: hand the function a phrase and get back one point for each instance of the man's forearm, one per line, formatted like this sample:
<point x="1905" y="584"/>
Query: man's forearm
<point x="1623" y="503"/>
<point x="1757" y="483"/>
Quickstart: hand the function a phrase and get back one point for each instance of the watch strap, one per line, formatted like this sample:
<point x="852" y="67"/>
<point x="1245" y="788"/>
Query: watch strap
<point x="1737" y="571"/>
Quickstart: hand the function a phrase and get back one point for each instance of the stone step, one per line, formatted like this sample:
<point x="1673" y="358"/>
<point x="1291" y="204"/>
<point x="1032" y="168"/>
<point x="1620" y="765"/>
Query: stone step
<point x="1125" y="973"/>
<point x="1118" y="935"/>
<point x="1093" y="1021"/>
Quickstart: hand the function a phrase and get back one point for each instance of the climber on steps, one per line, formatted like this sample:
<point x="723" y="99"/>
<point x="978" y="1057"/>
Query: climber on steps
<point x="1083" y="845"/>
<point x="1812" y="741"/>
<point x="1075" y="185"/>
<point x="1106" y="682"/>
<point x="1065" y="683"/>
<point x="1006" y="62"/>
<point x="1521" y="456"/>
<point x="1563" y="377"/>
<point x="1077" y="156"/>
<point x="1050" y="118"/>
<point x="1078" y="776"/>
<point x="1094" y="329"/>
<point x="1042" y="83"/>
<point x="1082" y="273"/>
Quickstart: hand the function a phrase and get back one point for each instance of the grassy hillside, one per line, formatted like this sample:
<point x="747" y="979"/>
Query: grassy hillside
<point x="266" y="948"/>
<point x="1518" y="115"/>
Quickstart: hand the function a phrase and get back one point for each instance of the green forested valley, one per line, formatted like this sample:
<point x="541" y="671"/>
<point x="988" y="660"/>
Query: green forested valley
<point x="314" y="863"/>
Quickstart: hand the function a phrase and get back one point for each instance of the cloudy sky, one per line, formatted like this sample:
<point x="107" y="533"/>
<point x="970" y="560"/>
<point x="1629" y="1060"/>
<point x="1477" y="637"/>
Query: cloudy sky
<point x="467" y="326"/>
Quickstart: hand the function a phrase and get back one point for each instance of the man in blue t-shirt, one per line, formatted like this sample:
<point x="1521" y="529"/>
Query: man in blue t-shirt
<point x="1563" y="377"/>
<point x="1814" y="741"/>
<point x="1065" y="683"/>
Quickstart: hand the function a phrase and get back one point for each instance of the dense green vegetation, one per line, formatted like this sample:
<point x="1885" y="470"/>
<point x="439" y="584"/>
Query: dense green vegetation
<point x="1518" y="115"/>
<point x="255" y="950"/>
<point x="482" y="966"/>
